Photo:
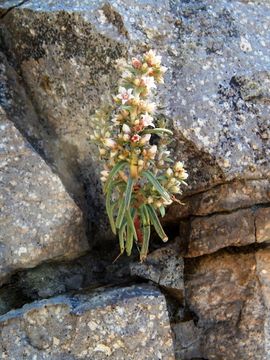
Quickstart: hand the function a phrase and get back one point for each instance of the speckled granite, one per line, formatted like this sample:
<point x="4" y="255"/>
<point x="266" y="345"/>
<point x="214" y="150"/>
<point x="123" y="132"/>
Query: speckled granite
<point x="216" y="94"/>
<point x="123" y="323"/>
<point x="39" y="221"/>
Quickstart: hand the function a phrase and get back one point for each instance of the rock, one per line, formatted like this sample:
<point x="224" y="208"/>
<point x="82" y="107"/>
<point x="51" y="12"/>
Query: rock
<point x="39" y="221"/>
<point x="216" y="99"/>
<point x="187" y="338"/>
<point x="228" y="293"/>
<point x="262" y="224"/>
<point x="221" y="88"/>
<point x="164" y="267"/>
<point x="207" y="234"/>
<point x="222" y="198"/>
<point x="121" y="323"/>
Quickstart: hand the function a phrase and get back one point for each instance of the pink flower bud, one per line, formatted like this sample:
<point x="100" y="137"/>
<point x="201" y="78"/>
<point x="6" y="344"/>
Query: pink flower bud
<point x="135" y="138"/>
<point x="136" y="63"/>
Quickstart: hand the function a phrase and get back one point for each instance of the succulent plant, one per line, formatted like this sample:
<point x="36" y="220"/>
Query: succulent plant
<point x="139" y="177"/>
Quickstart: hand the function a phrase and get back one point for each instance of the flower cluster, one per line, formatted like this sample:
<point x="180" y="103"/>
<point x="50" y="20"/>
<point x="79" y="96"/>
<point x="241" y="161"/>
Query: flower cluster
<point x="137" y="176"/>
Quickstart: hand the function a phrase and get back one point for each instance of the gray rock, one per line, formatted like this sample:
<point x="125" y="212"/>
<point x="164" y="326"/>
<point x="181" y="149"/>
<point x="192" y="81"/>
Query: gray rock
<point x="229" y="294"/>
<point x="121" y="323"/>
<point x="187" y="339"/>
<point x="164" y="267"/>
<point x="216" y="94"/>
<point x="39" y="221"/>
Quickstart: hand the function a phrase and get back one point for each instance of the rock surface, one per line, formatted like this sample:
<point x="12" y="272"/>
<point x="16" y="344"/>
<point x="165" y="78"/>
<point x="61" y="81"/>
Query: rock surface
<point x="164" y="267"/>
<point x="208" y="234"/>
<point x="39" y="221"/>
<point x="124" y="323"/>
<point x="229" y="294"/>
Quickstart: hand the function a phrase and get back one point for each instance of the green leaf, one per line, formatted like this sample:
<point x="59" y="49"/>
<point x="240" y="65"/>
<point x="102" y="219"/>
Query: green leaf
<point x="130" y="221"/>
<point x="128" y="192"/>
<point x="160" y="189"/>
<point x="118" y="167"/>
<point x="156" y="223"/>
<point x="162" y="211"/>
<point x="146" y="232"/>
<point x="121" y="213"/>
<point x="121" y="237"/>
<point x="109" y="206"/>
<point x="158" y="131"/>
<point x="129" y="242"/>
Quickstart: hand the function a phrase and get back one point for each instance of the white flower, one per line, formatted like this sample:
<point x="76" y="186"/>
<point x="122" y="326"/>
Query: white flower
<point x="152" y="58"/>
<point x="125" y="94"/>
<point x="126" y="137"/>
<point x="126" y="129"/>
<point x="147" y="120"/>
<point x="150" y="107"/>
<point x="105" y="173"/>
<point x="145" y="138"/>
<point x="149" y="82"/>
<point x="169" y="172"/>
<point x="152" y="151"/>
<point x="110" y="143"/>
<point x="178" y="166"/>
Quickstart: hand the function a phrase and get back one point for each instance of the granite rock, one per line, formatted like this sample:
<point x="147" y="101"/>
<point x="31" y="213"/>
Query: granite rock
<point x="39" y="220"/>
<point x="207" y="234"/>
<point x="122" y="323"/>
<point x="229" y="295"/>
<point x="216" y="94"/>
<point x="221" y="198"/>
<point x="164" y="267"/>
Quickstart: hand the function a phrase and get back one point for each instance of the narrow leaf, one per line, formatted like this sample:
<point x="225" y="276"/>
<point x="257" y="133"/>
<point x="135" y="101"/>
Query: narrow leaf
<point x="129" y="242"/>
<point x="156" y="185"/>
<point x="156" y="223"/>
<point x="121" y="213"/>
<point x="122" y="238"/>
<point x="109" y="207"/>
<point x="146" y="232"/>
<point x="162" y="211"/>
<point x="130" y="221"/>
<point x="118" y="167"/>
<point x="128" y="192"/>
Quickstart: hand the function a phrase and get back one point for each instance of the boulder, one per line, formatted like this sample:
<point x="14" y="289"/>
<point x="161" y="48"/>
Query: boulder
<point x="39" y="220"/>
<point x="121" y="323"/>
<point x="229" y="295"/>
<point x="216" y="99"/>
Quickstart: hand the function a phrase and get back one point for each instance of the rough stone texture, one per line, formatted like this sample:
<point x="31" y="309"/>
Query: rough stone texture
<point x="187" y="340"/>
<point x="123" y="323"/>
<point x="262" y="224"/>
<point x="164" y="267"/>
<point x="39" y="221"/>
<point x="207" y="234"/>
<point x="229" y="294"/>
<point x="217" y="84"/>
<point x="222" y="198"/>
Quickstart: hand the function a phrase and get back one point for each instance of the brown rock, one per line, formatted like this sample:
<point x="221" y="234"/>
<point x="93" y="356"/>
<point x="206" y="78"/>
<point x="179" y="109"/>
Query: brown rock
<point x="229" y="295"/>
<point x="262" y="223"/>
<point x="222" y="198"/>
<point x="208" y="234"/>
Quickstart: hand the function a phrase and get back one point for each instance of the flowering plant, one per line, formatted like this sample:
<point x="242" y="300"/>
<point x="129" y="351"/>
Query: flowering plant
<point x="139" y="178"/>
